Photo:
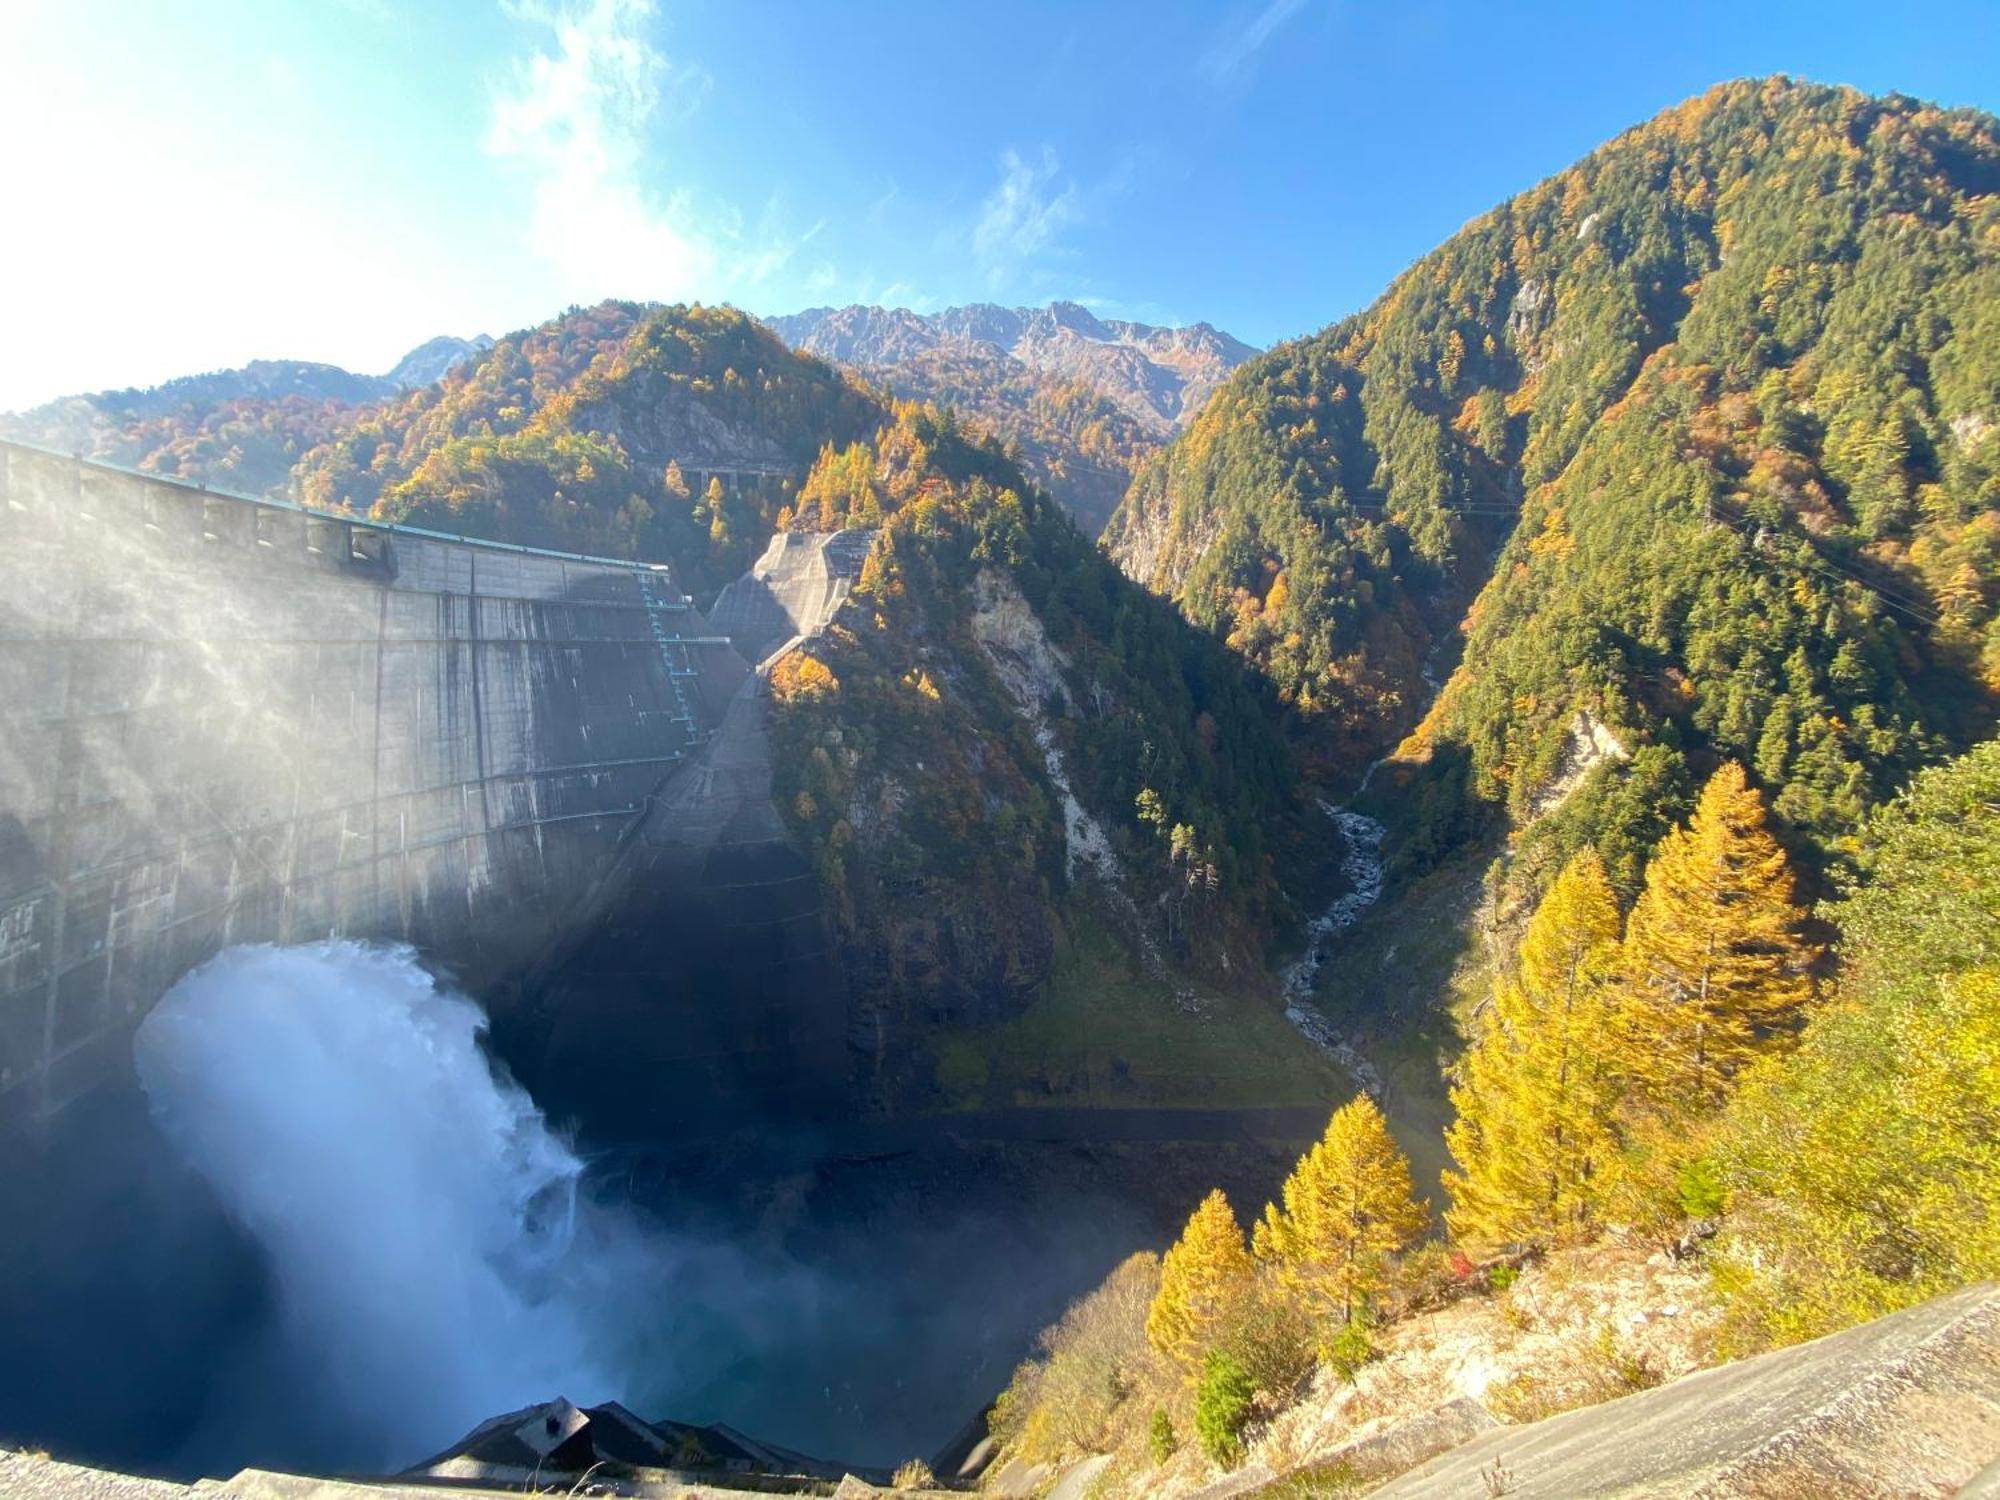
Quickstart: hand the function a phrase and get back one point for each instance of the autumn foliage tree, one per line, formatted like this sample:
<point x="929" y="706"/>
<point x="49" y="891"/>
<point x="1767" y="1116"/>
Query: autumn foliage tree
<point x="1716" y="967"/>
<point x="1202" y="1279"/>
<point x="1864" y="1167"/>
<point x="1347" y="1210"/>
<point x="1536" y="1094"/>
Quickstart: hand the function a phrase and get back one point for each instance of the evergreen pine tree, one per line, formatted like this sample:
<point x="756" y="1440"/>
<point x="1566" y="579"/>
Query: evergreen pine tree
<point x="1222" y="1404"/>
<point x="1348" y="1208"/>
<point x="1714" y="963"/>
<point x="1536" y="1092"/>
<point x="1201" y="1280"/>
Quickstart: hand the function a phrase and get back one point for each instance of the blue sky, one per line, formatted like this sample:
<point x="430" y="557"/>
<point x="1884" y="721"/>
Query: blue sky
<point x="214" y="180"/>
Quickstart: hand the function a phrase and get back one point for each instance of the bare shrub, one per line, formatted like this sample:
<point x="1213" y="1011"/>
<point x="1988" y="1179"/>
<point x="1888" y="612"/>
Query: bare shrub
<point x="913" y="1474"/>
<point x="1078" y="1394"/>
<point x="1599" y="1368"/>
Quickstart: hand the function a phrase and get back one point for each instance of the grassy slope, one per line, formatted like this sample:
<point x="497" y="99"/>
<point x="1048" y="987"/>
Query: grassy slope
<point x="1402" y="981"/>
<point x="1104" y="1033"/>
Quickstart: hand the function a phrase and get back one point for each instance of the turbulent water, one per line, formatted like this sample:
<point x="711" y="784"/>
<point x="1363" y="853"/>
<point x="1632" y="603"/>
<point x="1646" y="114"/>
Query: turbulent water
<point x="434" y="1255"/>
<point x="1363" y="870"/>
<point x="431" y="1260"/>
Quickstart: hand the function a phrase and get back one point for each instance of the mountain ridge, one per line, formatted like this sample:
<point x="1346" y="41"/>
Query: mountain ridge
<point x="1754" y="330"/>
<point x="1165" y="377"/>
<point x="243" y="427"/>
<point x="1085" y="401"/>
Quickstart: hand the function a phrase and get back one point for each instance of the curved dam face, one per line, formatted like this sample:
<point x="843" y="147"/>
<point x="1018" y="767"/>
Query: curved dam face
<point x="225" y="721"/>
<point x="231" y="721"/>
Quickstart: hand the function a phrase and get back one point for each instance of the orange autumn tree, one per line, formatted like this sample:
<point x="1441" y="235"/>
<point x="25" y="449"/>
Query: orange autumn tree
<point x="1348" y="1210"/>
<point x="1202" y="1279"/>
<point x="1537" y="1090"/>
<point x="1716" y="967"/>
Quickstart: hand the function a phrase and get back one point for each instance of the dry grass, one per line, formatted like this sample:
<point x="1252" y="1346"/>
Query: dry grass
<point x="913" y="1474"/>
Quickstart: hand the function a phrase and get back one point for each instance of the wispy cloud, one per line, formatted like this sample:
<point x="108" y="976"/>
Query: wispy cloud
<point x="1024" y="215"/>
<point x="575" y="115"/>
<point x="1234" y="47"/>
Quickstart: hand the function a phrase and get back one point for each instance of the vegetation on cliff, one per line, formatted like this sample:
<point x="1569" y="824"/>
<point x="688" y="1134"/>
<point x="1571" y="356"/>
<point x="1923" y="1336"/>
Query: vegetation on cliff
<point x="1536" y="1091"/>
<point x="997" y="719"/>
<point x="1159" y="730"/>
<point x="240" y="430"/>
<point x="1068" y="436"/>
<point x="1210" y="1336"/>
<point x="1658" y="1080"/>
<point x="582" y="435"/>
<point x="1863" y="1171"/>
<point x="1079" y="401"/>
<point x="1705" y="422"/>
<point x="1347" y="1214"/>
<point x="1686" y="457"/>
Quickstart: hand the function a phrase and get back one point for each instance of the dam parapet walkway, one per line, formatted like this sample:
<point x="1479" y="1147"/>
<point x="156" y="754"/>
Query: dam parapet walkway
<point x="228" y="719"/>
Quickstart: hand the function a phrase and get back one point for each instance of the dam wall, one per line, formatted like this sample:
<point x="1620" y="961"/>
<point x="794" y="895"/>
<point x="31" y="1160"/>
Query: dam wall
<point x="226" y="720"/>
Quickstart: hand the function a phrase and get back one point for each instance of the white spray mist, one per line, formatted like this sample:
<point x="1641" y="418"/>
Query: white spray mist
<point x="419" y="1218"/>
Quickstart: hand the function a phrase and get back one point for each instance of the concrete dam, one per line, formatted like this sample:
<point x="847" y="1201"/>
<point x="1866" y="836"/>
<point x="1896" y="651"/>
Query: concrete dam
<point x="233" y="720"/>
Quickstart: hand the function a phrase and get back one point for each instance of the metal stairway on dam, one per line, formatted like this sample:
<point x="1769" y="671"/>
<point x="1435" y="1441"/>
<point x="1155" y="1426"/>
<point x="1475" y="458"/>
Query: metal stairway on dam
<point x="674" y="650"/>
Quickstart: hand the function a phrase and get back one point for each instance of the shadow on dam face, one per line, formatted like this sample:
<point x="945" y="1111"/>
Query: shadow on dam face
<point x="122" y="1285"/>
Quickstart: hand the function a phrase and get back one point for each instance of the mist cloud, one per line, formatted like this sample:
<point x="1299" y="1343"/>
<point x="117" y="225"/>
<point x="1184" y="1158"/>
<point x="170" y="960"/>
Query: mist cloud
<point x="577" y="115"/>
<point x="434" y="1262"/>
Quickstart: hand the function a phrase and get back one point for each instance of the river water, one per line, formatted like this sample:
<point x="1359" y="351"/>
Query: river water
<point x="1362" y="869"/>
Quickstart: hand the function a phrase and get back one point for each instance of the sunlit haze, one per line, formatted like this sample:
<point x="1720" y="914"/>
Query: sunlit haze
<point x="197" y="186"/>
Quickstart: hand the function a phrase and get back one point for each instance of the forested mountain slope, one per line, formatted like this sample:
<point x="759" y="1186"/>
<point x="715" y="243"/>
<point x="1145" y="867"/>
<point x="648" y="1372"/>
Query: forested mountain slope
<point x="1054" y="822"/>
<point x="1702" y="431"/>
<point x="591" y="432"/>
<point x="1069" y="436"/>
<point x="238" y="429"/>
<point x="1025" y="782"/>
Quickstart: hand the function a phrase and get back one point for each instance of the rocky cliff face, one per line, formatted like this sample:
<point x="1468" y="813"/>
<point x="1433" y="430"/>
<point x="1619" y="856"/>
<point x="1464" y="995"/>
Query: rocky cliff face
<point x="1084" y="401"/>
<point x="1158" y="377"/>
<point x="435" y="358"/>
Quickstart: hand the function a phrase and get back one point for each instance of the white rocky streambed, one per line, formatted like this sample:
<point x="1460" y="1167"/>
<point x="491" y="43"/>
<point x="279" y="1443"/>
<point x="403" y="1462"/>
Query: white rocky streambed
<point x="1361" y="867"/>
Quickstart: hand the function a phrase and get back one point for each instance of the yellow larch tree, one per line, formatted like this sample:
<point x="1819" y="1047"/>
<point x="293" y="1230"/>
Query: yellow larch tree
<point x="1202" y="1279"/>
<point x="1716" y="968"/>
<point x="1348" y="1209"/>
<point x="1537" y="1090"/>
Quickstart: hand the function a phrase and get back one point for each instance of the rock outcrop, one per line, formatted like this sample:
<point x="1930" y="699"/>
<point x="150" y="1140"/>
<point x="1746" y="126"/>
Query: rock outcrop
<point x="1158" y="376"/>
<point x="1906" y="1405"/>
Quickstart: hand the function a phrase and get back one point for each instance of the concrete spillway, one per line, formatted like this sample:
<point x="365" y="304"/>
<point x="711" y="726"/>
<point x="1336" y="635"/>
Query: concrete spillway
<point x="794" y="590"/>
<point x="225" y="720"/>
